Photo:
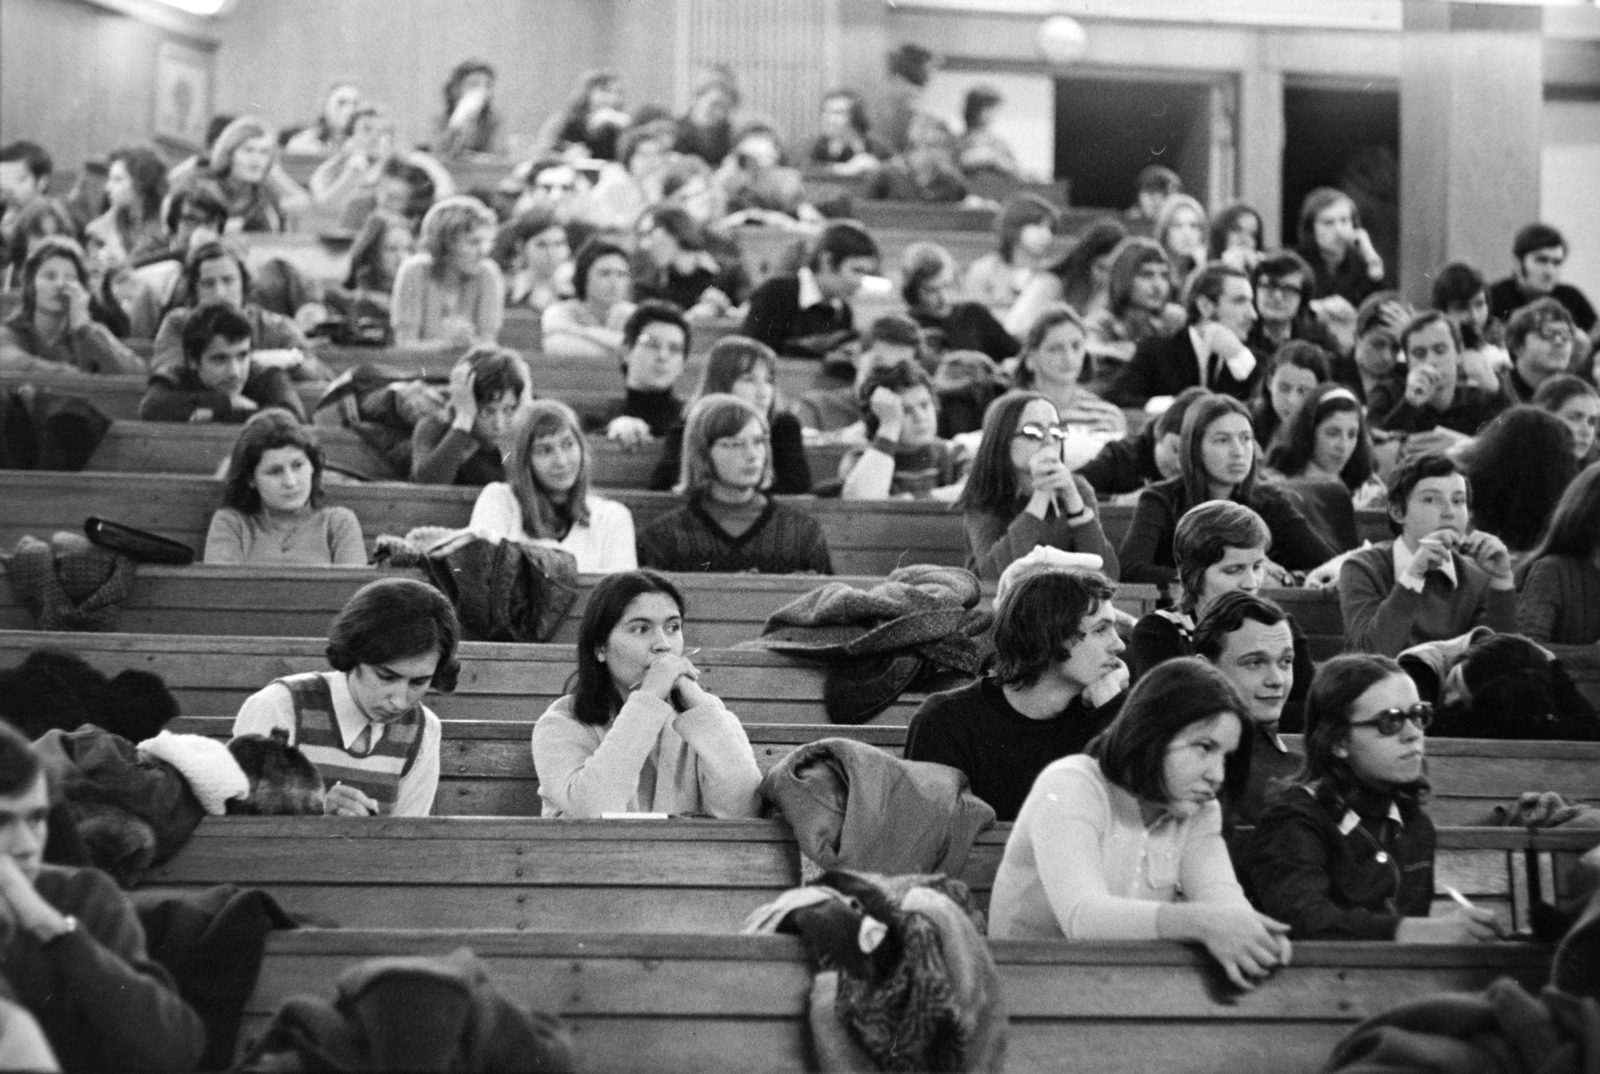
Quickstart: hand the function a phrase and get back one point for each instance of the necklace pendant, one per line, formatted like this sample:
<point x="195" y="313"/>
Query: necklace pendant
<point x="1383" y="857"/>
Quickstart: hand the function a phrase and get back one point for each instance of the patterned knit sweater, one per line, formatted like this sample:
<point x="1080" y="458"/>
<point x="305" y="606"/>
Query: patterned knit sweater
<point x="783" y="540"/>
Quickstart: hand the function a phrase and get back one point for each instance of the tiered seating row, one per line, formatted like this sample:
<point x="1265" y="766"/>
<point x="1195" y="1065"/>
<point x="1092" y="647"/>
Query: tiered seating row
<point x="865" y="538"/>
<point x="737" y="1003"/>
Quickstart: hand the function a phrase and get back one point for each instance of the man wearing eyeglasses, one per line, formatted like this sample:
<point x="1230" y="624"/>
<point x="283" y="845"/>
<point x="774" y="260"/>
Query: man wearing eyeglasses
<point x="1282" y="314"/>
<point x="1540" y="337"/>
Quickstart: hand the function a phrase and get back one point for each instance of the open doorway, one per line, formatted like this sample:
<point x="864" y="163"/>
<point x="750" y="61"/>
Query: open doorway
<point x="1345" y="136"/>
<point x="1109" y="129"/>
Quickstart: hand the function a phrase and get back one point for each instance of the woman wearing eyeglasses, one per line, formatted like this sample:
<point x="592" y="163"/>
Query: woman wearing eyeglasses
<point x="1021" y="494"/>
<point x="1345" y="850"/>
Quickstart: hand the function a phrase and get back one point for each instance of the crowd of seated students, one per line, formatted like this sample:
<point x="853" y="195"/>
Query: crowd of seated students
<point x="1152" y="794"/>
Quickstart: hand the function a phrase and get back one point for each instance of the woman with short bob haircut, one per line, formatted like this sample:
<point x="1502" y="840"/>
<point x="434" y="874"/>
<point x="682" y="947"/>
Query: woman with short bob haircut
<point x="1217" y="460"/>
<point x="728" y="523"/>
<point x="1220" y="547"/>
<point x="1124" y="842"/>
<point x="1558" y="590"/>
<point x="1345" y="850"/>
<point x="1020" y="494"/>
<point x="52" y="330"/>
<point x="747" y="368"/>
<point x="546" y="498"/>
<point x="272" y="509"/>
<point x="636" y="732"/>
<point x="363" y="724"/>
<point x="450" y="289"/>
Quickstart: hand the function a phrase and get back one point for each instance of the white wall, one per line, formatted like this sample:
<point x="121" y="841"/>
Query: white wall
<point x="1570" y="162"/>
<point x="1026" y="120"/>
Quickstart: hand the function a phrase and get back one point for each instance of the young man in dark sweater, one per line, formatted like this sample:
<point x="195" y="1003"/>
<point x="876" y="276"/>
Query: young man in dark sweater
<point x="655" y="345"/>
<point x="808" y="315"/>
<point x="73" y="951"/>
<point x="1055" y="637"/>
<point x="1540" y="251"/>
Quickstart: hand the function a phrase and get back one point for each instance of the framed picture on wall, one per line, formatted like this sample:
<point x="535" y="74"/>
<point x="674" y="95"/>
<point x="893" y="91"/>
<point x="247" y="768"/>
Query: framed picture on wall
<point x="183" y="94"/>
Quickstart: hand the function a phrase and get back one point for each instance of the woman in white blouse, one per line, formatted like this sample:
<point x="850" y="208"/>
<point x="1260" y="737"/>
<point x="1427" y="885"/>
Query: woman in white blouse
<point x="546" y="499"/>
<point x="1124" y="842"/>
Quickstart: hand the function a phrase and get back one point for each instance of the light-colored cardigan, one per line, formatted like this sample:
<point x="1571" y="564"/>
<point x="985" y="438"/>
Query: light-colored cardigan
<point x="1082" y="864"/>
<point x="650" y="758"/>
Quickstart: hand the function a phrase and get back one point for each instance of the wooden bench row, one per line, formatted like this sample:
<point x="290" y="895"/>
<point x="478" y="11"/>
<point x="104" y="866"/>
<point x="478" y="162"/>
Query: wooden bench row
<point x="707" y="1004"/>
<point x="487" y="766"/>
<point x="864" y="538"/>
<point x="869" y="538"/>
<point x="679" y="875"/>
<point x="212" y="676"/>
<point x="724" y="609"/>
<point x="147" y="447"/>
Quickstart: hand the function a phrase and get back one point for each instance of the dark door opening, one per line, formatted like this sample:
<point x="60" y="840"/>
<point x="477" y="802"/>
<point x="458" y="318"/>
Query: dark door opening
<point x="1347" y="138"/>
<point x="1109" y="129"/>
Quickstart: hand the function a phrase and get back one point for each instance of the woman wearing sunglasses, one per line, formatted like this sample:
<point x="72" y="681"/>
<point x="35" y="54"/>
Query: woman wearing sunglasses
<point x="1020" y="493"/>
<point x="1345" y="851"/>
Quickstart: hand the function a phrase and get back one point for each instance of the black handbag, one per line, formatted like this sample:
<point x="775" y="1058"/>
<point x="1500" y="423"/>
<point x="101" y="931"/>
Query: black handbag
<point x="137" y="544"/>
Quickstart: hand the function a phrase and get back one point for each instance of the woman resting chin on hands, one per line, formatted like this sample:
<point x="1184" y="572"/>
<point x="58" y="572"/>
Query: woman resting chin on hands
<point x="638" y="733"/>
<point x="1125" y="842"/>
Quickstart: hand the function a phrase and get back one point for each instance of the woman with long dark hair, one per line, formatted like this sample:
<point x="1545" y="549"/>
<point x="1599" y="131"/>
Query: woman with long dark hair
<point x="1292" y="373"/>
<point x="1124" y="842"/>
<point x="131" y="227"/>
<point x="592" y="118"/>
<point x="1346" y="851"/>
<point x="1217" y="460"/>
<point x="636" y="731"/>
<point x="1558" y="598"/>
<point x="1021" y="494"/>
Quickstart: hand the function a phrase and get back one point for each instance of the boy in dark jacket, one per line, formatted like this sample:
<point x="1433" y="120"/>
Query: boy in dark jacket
<point x="218" y="379"/>
<point x="75" y="955"/>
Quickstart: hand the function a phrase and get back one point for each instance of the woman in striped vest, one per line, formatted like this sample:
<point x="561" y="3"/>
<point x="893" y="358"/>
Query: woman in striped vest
<point x="363" y="724"/>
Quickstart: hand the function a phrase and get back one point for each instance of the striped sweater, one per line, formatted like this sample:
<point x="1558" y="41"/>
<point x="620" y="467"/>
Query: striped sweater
<point x="402" y="770"/>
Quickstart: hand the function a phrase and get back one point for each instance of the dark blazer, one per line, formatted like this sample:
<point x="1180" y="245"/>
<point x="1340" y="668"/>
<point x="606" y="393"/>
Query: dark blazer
<point x="1168" y="366"/>
<point x="776" y="319"/>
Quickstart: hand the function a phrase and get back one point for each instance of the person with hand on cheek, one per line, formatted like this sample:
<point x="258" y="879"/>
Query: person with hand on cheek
<point x="1345" y="851"/>
<point x="363" y="724"/>
<point x="73" y="948"/>
<point x="655" y="344"/>
<point x="1446" y="400"/>
<point x="52" y="331"/>
<point x="905" y="456"/>
<point x="1436" y="579"/>
<point x="218" y="379"/>
<point x="1022" y="494"/>
<point x="638" y="732"/>
<point x="1125" y="842"/>
<point x="465" y="445"/>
